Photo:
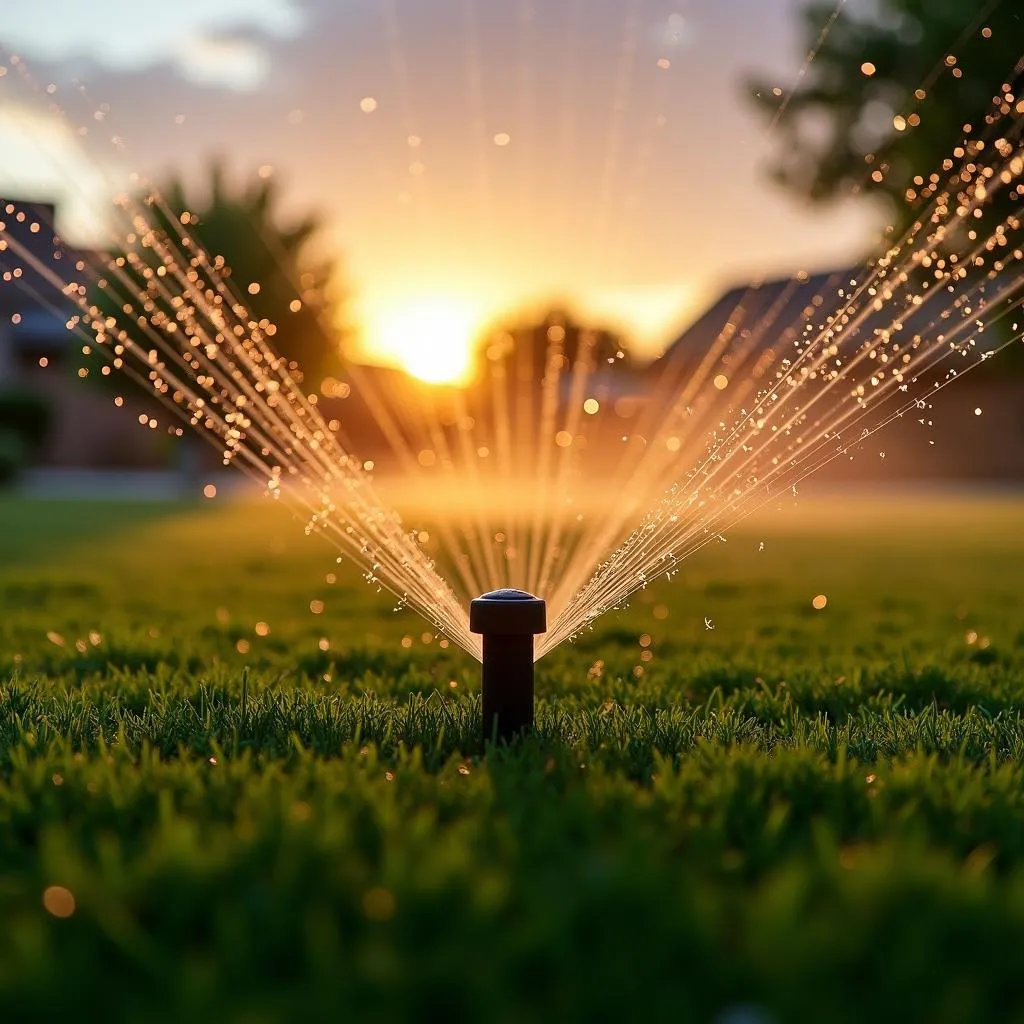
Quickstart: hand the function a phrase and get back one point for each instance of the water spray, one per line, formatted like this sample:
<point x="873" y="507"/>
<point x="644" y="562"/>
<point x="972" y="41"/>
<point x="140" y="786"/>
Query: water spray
<point x="508" y="619"/>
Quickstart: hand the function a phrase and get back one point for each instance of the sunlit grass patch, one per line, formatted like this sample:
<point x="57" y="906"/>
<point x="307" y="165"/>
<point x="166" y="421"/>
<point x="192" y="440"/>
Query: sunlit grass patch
<point x="246" y="791"/>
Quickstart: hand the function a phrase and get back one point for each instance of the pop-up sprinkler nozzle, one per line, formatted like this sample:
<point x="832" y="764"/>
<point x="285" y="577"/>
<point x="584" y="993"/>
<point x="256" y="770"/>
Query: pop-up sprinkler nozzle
<point x="508" y="620"/>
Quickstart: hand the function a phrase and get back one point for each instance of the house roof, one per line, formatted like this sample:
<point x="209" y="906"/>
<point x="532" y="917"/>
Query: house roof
<point x="772" y="308"/>
<point x="779" y="311"/>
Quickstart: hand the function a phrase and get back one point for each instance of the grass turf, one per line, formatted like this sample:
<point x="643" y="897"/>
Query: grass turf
<point x="780" y="814"/>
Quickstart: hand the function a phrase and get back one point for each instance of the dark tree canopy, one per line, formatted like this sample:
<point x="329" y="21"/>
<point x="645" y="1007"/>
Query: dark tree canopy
<point x="525" y="345"/>
<point x="266" y="261"/>
<point x="888" y="94"/>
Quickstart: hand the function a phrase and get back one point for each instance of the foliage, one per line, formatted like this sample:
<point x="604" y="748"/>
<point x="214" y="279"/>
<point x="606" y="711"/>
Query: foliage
<point x="27" y="413"/>
<point x="243" y="233"/>
<point x="26" y="419"/>
<point x="838" y="126"/>
<point x="13" y="455"/>
<point x="784" y="815"/>
<point x="527" y="343"/>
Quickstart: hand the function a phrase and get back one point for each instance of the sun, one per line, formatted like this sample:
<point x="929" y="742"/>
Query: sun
<point x="430" y="338"/>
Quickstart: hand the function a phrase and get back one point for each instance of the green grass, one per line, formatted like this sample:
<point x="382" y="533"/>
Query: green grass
<point x="795" y="815"/>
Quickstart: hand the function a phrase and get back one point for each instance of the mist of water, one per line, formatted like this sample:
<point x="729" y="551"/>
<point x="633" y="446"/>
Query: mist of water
<point x="565" y="475"/>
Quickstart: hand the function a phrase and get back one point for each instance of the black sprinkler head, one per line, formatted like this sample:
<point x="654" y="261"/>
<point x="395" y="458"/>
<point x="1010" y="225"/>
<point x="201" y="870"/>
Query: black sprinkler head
<point x="508" y="620"/>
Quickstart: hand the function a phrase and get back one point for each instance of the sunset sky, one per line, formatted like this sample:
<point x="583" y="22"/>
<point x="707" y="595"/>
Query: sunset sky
<point x="470" y="155"/>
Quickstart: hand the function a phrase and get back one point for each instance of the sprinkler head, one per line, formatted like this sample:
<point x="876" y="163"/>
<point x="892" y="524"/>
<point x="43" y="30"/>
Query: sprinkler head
<point x="508" y="620"/>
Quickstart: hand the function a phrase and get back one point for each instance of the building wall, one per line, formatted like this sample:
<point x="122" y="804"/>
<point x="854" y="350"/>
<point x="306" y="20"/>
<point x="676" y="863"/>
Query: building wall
<point x="90" y="431"/>
<point x="953" y="442"/>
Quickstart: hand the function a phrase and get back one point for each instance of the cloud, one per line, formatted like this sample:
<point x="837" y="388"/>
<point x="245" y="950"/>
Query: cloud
<point x="235" y="63"/>
<point x="217" y="44"/>
<point x="44" y="161"/>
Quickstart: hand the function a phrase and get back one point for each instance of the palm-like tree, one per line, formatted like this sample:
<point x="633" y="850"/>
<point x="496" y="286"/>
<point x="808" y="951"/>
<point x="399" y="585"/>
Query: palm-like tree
<point x="268" y="263"/>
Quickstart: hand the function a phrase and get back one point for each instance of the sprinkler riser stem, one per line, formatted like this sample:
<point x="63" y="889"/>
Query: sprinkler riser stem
<point x="507" y="686"/>
<point x="508" y="620"/>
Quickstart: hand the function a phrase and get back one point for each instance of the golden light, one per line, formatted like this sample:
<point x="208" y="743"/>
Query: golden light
<point x="59" y="901"/>
<point x="430" y="338"/>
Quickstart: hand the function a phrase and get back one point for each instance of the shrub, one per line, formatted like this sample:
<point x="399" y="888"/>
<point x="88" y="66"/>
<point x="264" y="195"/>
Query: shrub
<point x="28" y="414"/>
<point x="13" y="455"/>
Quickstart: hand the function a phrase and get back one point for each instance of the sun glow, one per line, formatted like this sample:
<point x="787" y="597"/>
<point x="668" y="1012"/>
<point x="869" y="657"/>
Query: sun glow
<point x="430" y="338"/>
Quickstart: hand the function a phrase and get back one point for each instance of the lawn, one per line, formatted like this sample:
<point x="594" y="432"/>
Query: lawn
<point x="219" y="802"/>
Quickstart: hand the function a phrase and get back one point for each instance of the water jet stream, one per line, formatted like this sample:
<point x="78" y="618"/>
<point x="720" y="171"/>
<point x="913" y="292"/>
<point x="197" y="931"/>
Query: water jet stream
<point x="713" y="438"/>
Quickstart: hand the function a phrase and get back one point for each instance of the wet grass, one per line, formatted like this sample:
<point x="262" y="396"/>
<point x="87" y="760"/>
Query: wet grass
<point x="735" y="808"/>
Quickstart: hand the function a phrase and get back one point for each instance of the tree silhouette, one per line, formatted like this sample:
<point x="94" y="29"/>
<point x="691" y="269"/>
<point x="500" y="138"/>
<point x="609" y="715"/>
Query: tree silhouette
<point x="266" y="262"/>
<point x="526" y="346"/>
<point x="891" y="96"/>
<point x="888" y="93"/>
